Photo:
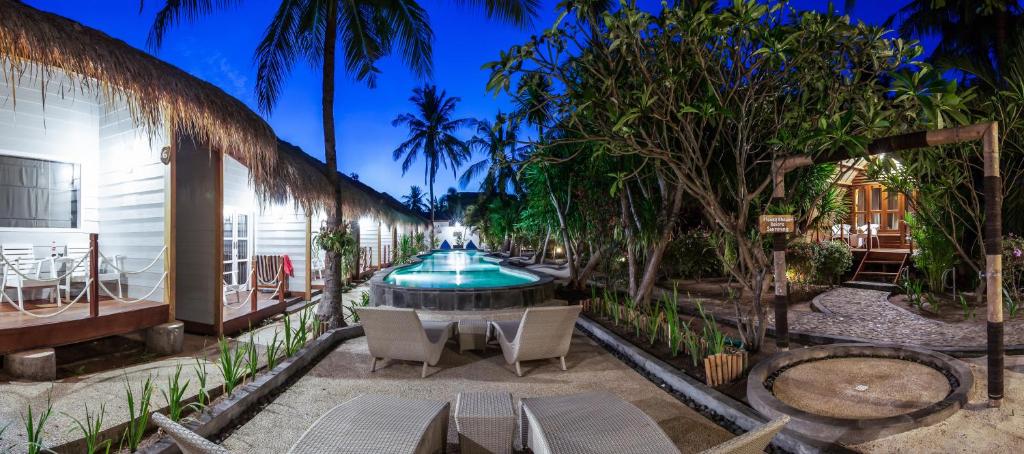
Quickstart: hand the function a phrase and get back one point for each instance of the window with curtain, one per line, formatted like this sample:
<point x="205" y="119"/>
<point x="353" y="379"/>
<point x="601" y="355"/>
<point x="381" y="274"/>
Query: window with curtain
<point x="35" y="193"/>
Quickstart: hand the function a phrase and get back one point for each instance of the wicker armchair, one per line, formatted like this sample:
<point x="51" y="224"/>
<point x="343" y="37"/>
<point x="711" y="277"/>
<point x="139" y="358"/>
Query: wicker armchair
<point x="400" y="334"/>
<point x="189" y="442"/>
<point x="378" y="424"/>
<point x="542" y="333"/>
<point x="752" y="442"/>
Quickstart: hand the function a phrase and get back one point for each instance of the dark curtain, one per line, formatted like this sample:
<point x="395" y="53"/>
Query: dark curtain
<point x="37" y="193"/>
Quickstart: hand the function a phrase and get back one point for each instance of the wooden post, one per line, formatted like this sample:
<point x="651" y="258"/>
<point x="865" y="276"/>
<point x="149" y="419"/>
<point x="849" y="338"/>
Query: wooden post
<point x="254" y="286"/>
<point x="170" y="238"/>
<point x="282" y="282"/>
<point x="94" y="275"/>
<point x="994" y="263"/>
<point x="218" y="239"/>
<point x="309" y="258"/>
<point x="380" y="251"/>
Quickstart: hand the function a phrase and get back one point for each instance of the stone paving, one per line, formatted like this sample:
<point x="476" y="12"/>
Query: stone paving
<point x="867" y="315"/>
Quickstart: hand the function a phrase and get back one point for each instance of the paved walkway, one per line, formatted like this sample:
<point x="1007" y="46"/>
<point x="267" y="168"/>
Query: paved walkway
<point x="867" y="315"/>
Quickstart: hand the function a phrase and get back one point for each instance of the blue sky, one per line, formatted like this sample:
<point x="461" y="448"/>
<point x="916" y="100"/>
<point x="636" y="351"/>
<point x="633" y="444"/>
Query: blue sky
<point x="219" y="49"/>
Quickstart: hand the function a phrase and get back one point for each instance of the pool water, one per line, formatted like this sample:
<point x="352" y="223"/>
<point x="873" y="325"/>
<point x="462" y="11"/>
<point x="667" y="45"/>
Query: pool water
<point x="458" y="269"/>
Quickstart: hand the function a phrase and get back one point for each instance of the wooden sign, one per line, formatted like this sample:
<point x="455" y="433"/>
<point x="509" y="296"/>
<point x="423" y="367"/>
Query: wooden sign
<point x="777" y="223"/>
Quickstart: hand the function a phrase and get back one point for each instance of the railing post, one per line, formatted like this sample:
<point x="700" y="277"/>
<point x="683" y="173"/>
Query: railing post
<point x="94" y="274"/>
<point x="254" y="285"/>
<point x="282" y="284"/>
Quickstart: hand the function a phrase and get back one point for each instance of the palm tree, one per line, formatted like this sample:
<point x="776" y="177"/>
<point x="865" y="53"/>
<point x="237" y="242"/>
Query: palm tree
<point x="981" y="32"/>
<point x="311" y="30"/>
<point x="432" y="133"/>
<point x="498" y="142"/>
<point x="414" y="200"/>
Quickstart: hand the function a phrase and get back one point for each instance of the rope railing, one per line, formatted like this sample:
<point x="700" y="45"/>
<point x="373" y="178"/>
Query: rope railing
<point x="3" y="295"/>
<point x="13" y="267"/>
<point x="113" y="265"/>
<point x="252" y="288"/>
<point x="122" y="300"/>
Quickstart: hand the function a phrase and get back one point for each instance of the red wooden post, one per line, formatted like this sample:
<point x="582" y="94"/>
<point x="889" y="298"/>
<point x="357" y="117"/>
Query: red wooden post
<point x="282" y="284"/>
<point x="94" y="275"/>
<point x="254" y="286"/>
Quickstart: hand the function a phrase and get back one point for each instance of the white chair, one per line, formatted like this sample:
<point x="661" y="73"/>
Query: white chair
<point x="871" y="231"/>
<point x="21" y="270"/>
<point x="842" y="232"/>
<point x="542" y="333"/>
<point x="76" y="255"/>
<point x="317" y="264"/>
<point x="400" y="334"/>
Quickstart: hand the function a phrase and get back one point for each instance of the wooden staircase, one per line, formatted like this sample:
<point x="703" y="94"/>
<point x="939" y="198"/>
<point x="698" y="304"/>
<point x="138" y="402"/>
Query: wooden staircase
<point x="881" y="266"/>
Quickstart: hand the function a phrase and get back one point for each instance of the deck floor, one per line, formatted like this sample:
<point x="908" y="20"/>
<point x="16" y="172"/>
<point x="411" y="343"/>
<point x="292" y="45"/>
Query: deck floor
<point x="242" y="307"/>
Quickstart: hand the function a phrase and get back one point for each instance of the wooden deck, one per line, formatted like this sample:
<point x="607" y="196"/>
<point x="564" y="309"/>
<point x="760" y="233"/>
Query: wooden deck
<point x="239" y="316"/>
<point x="19" y="331"/>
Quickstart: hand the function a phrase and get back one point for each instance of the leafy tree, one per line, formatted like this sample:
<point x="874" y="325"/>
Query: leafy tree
<point x="727" y="93"/>
<point x="311" y="30"/>
<point x="432" y="133"/>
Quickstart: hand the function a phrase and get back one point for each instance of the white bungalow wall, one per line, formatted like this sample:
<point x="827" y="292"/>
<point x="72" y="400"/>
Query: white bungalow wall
<point x="280" y="228"/>
<point x="126" y="210"/>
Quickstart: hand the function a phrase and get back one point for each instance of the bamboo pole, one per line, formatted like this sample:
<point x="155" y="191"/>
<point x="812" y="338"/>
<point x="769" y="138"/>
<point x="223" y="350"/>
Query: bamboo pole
<point x="779" y="262"/>
<point x="994" y="263"/>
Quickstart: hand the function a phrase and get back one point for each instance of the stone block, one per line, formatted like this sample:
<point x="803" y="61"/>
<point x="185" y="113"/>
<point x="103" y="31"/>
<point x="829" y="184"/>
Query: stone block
<point x="166" y="339"/>
<point x="37" y="365"/>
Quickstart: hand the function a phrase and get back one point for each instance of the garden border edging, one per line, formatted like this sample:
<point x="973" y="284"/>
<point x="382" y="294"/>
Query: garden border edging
<point x="724" y="406"/>
<point x="221" y="415"/>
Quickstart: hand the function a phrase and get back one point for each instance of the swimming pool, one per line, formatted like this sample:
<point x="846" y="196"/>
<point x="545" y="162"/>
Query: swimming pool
<point x="458" y="269"/>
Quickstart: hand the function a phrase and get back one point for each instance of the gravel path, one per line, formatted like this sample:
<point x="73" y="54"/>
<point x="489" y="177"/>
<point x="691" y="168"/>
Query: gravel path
<point x="868" y="315"/>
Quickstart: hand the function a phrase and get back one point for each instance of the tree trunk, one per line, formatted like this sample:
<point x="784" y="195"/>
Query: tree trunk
<point x="563" y="230"/>
<point x="330" y="311"/>
<point x="592" y="263"/>
<point x="627" y="227"/>
<point x="542" y="251"/>
<point x="433" y="237"/>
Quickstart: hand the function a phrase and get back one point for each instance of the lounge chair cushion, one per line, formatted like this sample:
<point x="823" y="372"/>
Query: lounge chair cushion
<point x="591" y="423"/>
<point x="376" y="423"/>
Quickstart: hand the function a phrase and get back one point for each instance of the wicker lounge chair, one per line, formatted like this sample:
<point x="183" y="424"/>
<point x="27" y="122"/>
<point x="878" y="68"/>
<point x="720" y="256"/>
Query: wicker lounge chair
<point x="543" y="332"/>
<point x="399" y="334"/>
<point x="752" y="442"/>
<point x="378" y="424"/>
<point x="591" y="423"/>
<point x="189" y="442"/>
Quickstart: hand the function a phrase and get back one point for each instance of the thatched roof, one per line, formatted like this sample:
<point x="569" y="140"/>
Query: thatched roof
<point x="158" y="94"/>
<point x="306" y="178"/>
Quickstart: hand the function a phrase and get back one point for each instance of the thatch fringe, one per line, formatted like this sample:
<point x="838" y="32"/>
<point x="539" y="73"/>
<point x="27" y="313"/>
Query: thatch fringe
<point x="42" y="45"/>
<point x="45" y="46"/>
<point x="306" y="179"/>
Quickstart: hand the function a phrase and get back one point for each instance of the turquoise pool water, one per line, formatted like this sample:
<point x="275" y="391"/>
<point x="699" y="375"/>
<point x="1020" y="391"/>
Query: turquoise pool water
<point x="458" y="269"/>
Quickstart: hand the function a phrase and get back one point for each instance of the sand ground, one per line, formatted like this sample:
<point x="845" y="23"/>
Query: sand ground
<point x="345" y="373"/>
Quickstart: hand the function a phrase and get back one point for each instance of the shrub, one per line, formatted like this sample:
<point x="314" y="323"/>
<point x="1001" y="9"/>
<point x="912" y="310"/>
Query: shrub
<point x="1013" y="267"/>
<point x="800" y="260"/>
<point x="138" y="414"/>
<point x="934" y="252"/>
<point x="831" y="260"/>
<point x="692" y="255"/>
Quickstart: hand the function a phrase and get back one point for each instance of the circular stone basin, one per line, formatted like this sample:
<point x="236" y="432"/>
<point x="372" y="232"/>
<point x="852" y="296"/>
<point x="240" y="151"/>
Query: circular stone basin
<point x="860" y="387"/>
<point x="854" y="393"/>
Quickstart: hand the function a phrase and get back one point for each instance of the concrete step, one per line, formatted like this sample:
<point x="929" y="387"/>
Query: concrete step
<point x="869" y="285"/>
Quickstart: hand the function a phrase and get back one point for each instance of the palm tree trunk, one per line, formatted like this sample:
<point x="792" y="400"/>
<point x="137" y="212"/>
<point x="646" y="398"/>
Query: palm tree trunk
<point x="330" y="310"/>
<point x="433" y="237"/>
<point x="543" y="249"/>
